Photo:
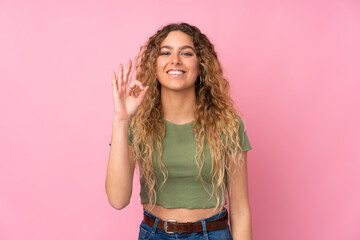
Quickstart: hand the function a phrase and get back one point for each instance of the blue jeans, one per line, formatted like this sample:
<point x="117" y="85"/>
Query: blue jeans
<point x="152" y="233"/>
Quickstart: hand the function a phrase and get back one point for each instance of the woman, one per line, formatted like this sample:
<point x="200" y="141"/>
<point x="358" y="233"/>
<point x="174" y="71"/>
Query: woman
<point x="179" y="123"/>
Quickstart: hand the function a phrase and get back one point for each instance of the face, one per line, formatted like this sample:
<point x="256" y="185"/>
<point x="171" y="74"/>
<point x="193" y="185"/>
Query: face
<point x="177" y="66"/>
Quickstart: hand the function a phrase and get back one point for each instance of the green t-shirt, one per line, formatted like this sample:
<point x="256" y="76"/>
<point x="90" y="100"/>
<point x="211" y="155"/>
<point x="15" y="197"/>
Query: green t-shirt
<point x="183" y="189"/>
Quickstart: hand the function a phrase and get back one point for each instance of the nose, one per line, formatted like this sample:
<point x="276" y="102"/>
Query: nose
<point x="175" y="60"/>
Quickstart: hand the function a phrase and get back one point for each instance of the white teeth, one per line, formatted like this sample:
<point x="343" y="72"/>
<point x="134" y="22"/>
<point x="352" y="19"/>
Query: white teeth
<point x="175" y="72"/>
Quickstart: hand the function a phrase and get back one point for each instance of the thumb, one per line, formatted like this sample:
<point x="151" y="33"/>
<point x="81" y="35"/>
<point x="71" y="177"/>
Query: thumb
<point x="142" y="94"/>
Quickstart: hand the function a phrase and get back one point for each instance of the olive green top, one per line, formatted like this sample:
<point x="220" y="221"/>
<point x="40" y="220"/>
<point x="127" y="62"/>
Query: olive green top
<point x="183" y="189"/>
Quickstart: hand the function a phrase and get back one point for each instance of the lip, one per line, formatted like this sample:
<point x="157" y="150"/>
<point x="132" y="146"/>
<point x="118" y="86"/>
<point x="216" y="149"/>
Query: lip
<point x="174" y="69"/>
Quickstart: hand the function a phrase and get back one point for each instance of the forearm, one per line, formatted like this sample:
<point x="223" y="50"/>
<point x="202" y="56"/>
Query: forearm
<point x="119" y="180"/>
<point x="241" y="225"/>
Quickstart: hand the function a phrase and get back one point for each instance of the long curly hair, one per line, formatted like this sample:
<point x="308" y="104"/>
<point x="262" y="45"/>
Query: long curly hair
<point x="215" y="121"/>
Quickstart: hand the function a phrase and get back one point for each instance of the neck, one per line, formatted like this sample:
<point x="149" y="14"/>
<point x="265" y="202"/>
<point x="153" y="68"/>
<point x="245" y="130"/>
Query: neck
<point x="178" y="106"/>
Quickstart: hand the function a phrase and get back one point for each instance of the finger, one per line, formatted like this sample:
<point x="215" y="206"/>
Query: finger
<point x="127" y="72"/>
<point x="120" y="76"/>
<point x="132" y="86"/>
<point x="141" y="96"/>
<point x="129" y="91"/>
<point x="135" y="83"/>
<point x="114" y="84"/>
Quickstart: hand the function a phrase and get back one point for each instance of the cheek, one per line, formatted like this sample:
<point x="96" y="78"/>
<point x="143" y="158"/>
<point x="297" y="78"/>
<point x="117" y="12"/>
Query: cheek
<point x="160" y="69"/>
<point x="196" y="67"/>
<point x="159" y="65"/>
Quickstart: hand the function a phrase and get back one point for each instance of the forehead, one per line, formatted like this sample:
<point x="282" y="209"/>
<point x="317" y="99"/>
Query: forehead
<point x="177" y="38"/>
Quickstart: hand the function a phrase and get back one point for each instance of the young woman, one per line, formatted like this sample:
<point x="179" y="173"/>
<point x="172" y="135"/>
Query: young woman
<point x="179" y="123"/>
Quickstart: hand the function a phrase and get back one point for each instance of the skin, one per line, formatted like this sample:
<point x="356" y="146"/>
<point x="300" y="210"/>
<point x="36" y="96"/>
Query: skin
<point x="178" y="91"/>
<point x="178" y="101"/>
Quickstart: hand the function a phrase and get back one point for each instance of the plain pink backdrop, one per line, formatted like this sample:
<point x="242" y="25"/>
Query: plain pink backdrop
<point x="294" y="72"/>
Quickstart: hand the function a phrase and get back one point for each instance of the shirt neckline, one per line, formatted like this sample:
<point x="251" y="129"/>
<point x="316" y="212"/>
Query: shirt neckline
<point x="175" y="124"/>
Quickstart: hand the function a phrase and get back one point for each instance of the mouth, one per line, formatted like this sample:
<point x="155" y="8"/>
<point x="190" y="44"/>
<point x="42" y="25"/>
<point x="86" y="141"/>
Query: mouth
<point x="175" y="72"/>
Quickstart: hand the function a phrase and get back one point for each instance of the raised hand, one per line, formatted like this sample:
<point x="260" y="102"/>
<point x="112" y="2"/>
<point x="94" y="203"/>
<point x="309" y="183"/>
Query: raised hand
<point x="125" y="103"/>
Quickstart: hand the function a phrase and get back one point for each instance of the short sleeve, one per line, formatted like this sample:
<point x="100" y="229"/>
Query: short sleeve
<point x="244" y="140"/>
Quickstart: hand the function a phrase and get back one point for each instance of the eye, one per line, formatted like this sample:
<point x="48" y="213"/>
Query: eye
<point x="188" y="54"/>
<point x="164" y="53"/>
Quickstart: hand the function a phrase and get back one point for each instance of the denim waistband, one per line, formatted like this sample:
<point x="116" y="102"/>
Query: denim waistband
<point x="213" y="217"/>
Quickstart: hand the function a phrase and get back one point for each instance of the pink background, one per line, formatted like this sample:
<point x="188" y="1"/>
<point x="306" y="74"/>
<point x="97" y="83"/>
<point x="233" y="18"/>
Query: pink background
<point x="294" y="72"/>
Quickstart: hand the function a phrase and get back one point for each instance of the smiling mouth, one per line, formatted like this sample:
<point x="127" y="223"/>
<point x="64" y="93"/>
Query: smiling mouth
<point x="175" y="72"/>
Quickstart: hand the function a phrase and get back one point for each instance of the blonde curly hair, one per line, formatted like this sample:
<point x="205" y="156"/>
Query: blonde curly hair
<point x="215" y="123"/>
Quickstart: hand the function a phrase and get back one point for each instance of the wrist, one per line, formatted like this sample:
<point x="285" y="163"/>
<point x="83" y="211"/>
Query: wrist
<point x="120" y="122"/>
<point x="120" y="119"/>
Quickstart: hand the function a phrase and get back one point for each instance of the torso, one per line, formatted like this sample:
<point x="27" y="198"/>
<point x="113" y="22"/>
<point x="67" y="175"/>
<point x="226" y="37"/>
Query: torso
<point x="181" y="214"/>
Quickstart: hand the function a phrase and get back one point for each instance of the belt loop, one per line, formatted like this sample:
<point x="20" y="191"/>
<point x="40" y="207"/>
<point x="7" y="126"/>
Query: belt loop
<point x="203" y="222"/>
<point x="155" y="225"/>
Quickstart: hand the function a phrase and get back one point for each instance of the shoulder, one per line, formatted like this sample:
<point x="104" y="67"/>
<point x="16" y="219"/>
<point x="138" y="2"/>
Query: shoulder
<point x="241" y="123"/>
<point x="244" y="139"/>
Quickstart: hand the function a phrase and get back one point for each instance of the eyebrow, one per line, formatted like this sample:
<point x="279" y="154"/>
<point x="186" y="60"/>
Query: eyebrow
<point x="183" y="47"/>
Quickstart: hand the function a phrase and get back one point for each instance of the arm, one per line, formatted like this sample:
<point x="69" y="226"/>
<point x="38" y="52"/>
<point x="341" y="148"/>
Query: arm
<point x="120" y="169"/>
<point x="240" y="214"/>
